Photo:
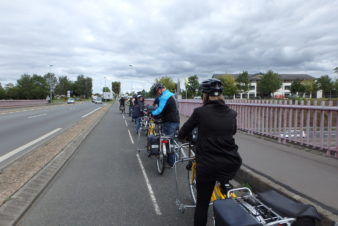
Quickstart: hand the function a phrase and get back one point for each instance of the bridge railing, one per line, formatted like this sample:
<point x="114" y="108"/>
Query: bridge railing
<point x="309" y="125"/>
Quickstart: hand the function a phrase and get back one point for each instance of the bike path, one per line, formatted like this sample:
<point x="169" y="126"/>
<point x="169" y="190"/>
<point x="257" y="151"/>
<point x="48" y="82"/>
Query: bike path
<point x="103" y="184"/>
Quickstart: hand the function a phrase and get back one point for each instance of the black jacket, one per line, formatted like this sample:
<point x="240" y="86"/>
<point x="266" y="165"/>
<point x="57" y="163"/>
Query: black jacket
<point x="216" y="124"/>
<point x="167" y="109"/>
<point x="137" y="109"/>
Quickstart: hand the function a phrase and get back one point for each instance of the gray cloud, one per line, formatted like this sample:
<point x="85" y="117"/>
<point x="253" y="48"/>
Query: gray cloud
<point x="102" y="38"/>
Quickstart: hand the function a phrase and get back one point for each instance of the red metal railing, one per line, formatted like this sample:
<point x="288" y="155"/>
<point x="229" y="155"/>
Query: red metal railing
<point x="308" y="125"/>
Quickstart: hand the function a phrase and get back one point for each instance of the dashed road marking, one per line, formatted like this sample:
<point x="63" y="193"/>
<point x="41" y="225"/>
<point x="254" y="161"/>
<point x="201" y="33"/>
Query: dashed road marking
<point x="23" y="147"/>
<point x="131" y="138"/>
<point x="83" y="116"/>
<point x="34" y="116"/>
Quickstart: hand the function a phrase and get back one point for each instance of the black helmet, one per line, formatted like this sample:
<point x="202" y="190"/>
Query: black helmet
<point x="156" y="87"/>
<point x="212" y="86"/>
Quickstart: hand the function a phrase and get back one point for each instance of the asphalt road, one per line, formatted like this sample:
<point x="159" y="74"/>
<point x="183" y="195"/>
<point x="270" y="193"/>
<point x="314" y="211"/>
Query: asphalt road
<point x="103" y="184"/>
<point x="23" y="129"/>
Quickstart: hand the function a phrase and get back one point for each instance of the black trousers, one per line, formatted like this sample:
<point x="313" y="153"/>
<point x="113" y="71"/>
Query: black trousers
<point x="204" y="192"/>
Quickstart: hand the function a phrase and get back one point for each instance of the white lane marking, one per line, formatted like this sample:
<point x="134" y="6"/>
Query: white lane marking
<point x="126" y="122"/>
<point x="90" y="112"/>
<point x="36" y="116"/>
<point x="150" y="189"/>
<point x="131" y="138"/>
<point x="23" y="147"/>
<point x="123" y="117"/>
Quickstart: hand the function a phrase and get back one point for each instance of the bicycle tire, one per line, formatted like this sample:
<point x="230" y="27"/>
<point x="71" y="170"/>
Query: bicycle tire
<point x="192" y="180"/>
<point x="160" y="161"/>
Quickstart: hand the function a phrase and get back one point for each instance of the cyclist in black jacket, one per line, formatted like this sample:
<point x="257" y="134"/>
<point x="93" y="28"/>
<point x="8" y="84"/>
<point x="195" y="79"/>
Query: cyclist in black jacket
<point x="217" y="157"/>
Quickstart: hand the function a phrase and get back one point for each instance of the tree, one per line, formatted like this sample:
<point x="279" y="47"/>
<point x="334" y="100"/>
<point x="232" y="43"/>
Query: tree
<point x="24" y="86"/>
<point x="269" y="83"/>
<point x="51" y="80"/>
<point x="11" y="91"/>
<point x="229" y="84"/>
<point x="191" y="86"/>
<point x="335" y="70"/>
<point x="297" y="87"/>
<point x="168" y="83"/>
<point x="243" y="82"/>
<point x="40" y="87"/>
<point x="116" y="87"/>
<point x="325" y="84"/>
<point x="105" y="89"/>
<point x="2" y="92"/>
<point x="310" y="86"/>
<point x="83" y="86"/>
<point x="64" y="84"/>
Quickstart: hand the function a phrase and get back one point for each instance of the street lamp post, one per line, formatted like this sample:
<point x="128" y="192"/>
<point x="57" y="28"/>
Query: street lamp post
<point x="50" y="84"/>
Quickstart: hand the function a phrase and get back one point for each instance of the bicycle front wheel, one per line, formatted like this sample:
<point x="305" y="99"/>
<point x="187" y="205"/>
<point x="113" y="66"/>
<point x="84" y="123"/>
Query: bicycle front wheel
<point x="160" y="161"/>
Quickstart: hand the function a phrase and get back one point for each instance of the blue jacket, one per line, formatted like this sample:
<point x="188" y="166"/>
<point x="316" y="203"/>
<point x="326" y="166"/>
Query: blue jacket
<point x="167" y="108"/>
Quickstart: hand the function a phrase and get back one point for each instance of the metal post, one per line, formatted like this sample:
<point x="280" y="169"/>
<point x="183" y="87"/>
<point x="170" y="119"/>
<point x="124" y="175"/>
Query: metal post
<point x="50" y="84"/>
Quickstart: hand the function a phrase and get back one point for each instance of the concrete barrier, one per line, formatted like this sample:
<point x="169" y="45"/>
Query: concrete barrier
<point x="21" y="103"/>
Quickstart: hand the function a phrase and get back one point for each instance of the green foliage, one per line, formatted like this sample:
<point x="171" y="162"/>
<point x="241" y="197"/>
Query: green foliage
<point x="105" y="89"/>
<point x="51" y="80"/>
<point x="192" y="86"/>
<point x="335" y="85"/>
<point x="269" y="83"/>
<point x="116" y="87"/>
<point x="335" y="70"/>
<point x="32" y="87"/>
<point x="310" y="86"/>
<point x="229" y="84"/>
<point x="12" y="92"/>
<point x="168" y="83"/>
<point x="325" y="83"/>
<point x="297" y="86"/>
<point x="2" y="92"/>
<point x="243" y="82"/>
<point x="83" y="86"/>
<point x="63" y="85"/>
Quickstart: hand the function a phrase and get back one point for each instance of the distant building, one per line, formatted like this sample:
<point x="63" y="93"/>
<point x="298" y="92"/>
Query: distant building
<point x="283" y="92"/>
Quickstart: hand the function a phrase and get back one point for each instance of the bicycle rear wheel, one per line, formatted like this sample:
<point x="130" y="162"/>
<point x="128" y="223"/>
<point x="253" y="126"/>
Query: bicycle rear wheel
<point x="160" y="161"/>
<point x="192" y="177"/>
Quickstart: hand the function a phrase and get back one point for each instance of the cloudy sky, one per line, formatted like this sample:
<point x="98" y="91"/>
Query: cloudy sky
<point x="136" y="41"/>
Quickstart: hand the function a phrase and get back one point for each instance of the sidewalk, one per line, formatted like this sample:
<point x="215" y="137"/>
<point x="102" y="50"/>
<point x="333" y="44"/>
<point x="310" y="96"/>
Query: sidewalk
<point x="311" y="175"/>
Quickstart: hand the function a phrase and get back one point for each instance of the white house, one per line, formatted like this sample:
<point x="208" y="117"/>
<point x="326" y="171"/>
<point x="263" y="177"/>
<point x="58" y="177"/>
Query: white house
<point x="284" y="91"/>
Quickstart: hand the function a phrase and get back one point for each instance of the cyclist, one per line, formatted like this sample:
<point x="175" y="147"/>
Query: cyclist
<point x="167" y="110"/>
<point x="138" y="111"/>
<point x="156" y="101"/>
<point x="217" y="157"/>
<point x="122" y="102"/>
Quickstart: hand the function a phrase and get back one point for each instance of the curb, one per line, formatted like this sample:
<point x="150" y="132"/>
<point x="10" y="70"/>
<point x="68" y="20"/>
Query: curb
<point x="12" y="210"/>
<point x="262" y="183"/>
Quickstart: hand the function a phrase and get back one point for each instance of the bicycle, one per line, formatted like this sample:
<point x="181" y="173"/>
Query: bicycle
<point x="122" y="109"/>
<point x="237" y="204"/>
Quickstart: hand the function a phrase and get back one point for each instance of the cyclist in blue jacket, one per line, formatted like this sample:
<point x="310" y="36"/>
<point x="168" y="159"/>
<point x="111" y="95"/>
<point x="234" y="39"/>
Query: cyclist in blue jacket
<point x="167" y="111"/>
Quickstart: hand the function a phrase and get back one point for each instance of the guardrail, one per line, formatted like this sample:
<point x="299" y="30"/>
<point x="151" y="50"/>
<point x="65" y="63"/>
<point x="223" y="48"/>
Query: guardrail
<point x="312" y="126"/>
<point x="21" y="103"/>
